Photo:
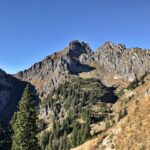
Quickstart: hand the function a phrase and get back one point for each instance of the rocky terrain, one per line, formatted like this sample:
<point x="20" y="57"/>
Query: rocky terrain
<point x="131" y="131"/>
<point x="110" y="63"/>
<point x="116" y="107"/>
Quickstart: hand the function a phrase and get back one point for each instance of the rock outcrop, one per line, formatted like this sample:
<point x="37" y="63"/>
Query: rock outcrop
<point x="124" y="63"/>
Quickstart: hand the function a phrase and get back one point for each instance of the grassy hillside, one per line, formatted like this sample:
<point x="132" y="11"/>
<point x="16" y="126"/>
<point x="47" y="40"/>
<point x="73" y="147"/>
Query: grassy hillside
<point x="131" y="130"/>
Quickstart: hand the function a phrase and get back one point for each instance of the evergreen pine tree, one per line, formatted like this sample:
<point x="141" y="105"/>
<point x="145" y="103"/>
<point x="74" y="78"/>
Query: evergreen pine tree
<point x="83" y="99"/>
<point x="56" y="129"/>
<point x="79" y="137"/>
<point x="50" y="143"/>
<point x="44" y="139"/>
<point x="82" y="133"/>
<point x="63" y="142"/>
<point x="75" y="134"/>
<point x="87" y="129"/>
<point x="24" y="125"/>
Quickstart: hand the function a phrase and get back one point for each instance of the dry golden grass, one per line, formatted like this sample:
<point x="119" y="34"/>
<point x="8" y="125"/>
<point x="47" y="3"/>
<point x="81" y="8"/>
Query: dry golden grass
<point x="133" y="131"/>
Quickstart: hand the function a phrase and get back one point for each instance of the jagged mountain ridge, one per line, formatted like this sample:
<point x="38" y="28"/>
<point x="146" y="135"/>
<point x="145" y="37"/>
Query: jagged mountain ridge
<point x="109" y="62"/>
<point x="112" y="64"/>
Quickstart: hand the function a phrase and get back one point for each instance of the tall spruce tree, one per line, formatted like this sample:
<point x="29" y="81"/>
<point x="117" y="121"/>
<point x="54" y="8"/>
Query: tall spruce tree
<point x="24" y="136"/>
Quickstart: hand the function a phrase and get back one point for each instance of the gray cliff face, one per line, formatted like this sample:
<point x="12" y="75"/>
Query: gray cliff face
<point x="119" y="61"/>
<point x="124" y="63"/>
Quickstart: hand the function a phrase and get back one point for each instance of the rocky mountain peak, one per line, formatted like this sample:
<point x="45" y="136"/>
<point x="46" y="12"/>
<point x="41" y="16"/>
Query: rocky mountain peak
<point x="124" y="63"/>
<point x="77" y="59"/>
<point x="112" y="64"/>
<point x="111" y="46"/>
<point x="108" y="45"/>
<point x="76" y="48"/>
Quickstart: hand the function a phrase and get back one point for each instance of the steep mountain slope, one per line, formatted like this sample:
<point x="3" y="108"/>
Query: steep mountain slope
<point x="11" y="90"/>
<point x="113" y="64"/>
<point x="56" y="68"/>
<point x="78" y="90"/>
<point x="132" y="130"/>
<point x="73" y="110"/>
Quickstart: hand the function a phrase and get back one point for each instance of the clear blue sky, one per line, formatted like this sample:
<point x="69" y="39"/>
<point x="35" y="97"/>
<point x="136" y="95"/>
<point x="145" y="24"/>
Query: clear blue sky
<point x="33" y="29"/>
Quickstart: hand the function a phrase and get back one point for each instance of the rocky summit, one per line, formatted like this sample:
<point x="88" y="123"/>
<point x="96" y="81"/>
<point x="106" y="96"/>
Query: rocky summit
<point x="88" y="99"/>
